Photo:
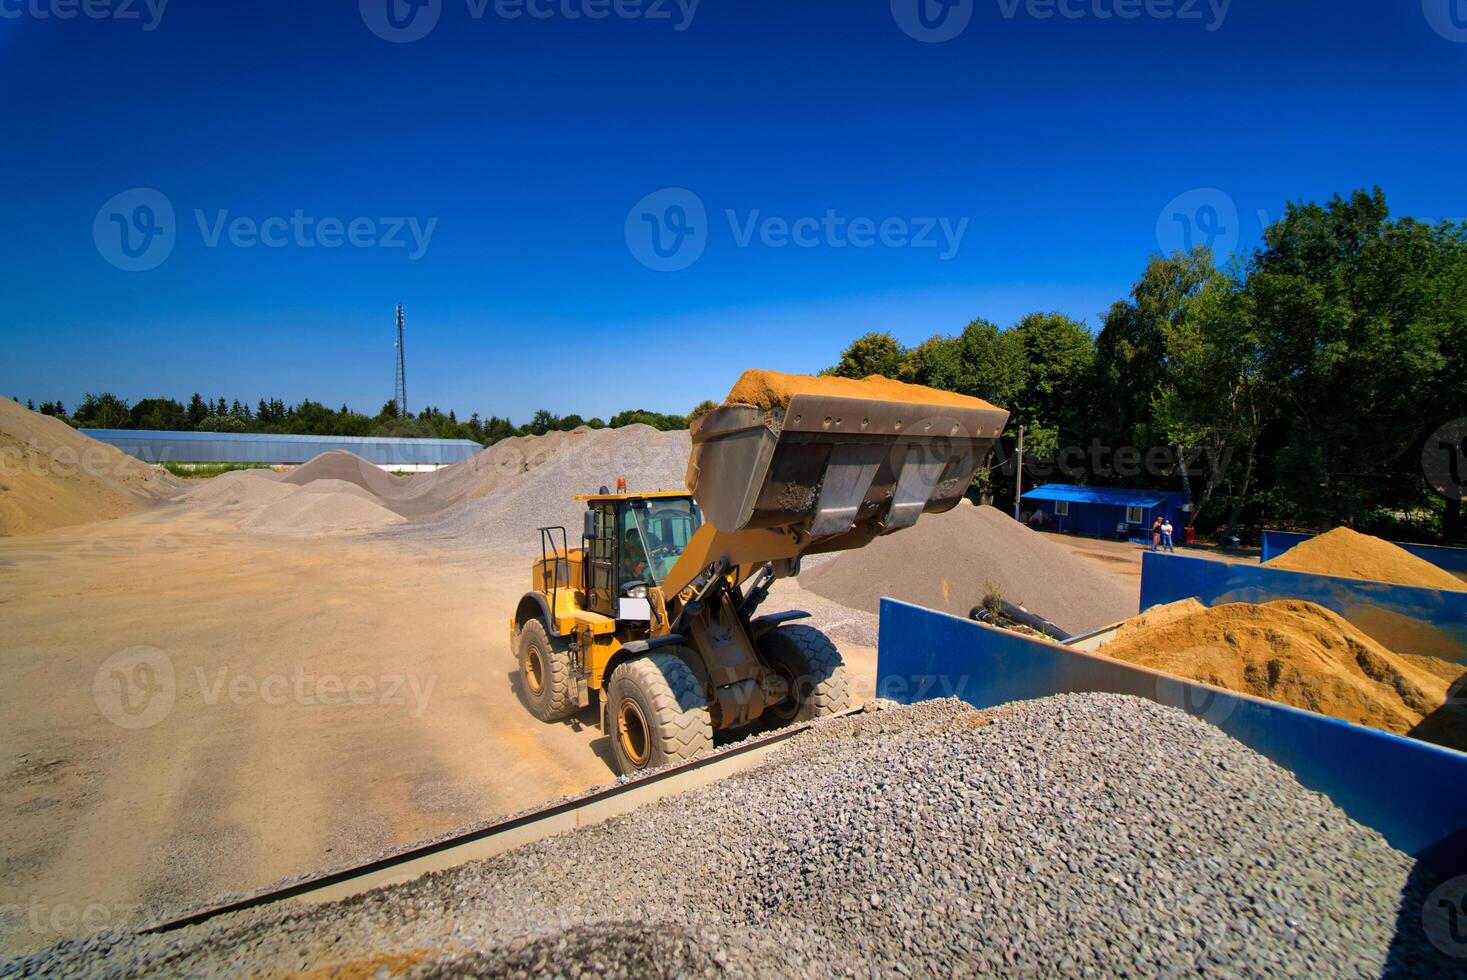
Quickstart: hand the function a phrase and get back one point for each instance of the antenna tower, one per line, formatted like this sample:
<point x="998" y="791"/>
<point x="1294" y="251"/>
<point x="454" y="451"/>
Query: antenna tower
<point x="399" y="391"/>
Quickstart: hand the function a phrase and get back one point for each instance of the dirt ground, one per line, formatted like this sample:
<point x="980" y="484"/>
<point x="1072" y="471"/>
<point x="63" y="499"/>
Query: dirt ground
<point x="1123" y="558"/>
<point x="190" y="711"/>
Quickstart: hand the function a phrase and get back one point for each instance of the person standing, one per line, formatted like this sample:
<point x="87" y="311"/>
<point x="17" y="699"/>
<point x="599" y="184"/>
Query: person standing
<point x="1166" y="534"/>
<point x="1156" y="535"/>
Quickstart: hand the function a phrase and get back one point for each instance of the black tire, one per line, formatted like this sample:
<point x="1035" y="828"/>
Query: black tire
<point x="812" y="667"/>
<point x="545" y="674"/>
<point x="657" y="713"/>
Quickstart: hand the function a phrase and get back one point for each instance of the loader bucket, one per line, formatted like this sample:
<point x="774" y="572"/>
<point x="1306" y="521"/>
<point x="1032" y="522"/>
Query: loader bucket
<point x="836" y="467"/>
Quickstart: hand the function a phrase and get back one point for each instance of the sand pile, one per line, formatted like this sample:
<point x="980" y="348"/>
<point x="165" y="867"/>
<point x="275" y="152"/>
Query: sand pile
<point x="1293" y="652"/>
<point x="949" y="561"/>
<point x="304" y="513"/>
<point x="1350" y="554"/>
<point x="53" y="476"/>
<point x="341" y="466"/>
<point x="771" y="389"/>
<point x="237" y="490"/>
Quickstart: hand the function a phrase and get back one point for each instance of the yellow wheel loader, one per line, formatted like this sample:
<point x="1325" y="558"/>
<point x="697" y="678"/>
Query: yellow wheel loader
<point x="653" y="617"/>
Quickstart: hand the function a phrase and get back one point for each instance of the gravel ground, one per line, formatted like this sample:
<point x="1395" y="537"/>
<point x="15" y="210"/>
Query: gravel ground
<point x="1082" y="834"/>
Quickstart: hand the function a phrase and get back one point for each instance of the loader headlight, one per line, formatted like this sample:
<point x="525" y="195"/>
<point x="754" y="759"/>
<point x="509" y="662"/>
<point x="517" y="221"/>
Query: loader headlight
<point x="637" y="592"/>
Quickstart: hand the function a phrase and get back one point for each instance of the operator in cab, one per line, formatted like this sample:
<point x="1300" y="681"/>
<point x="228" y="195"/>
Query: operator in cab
<point x="633" y="557"/>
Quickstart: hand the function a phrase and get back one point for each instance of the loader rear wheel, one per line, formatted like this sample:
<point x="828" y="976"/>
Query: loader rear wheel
<point x="545" y="674"/>
<point x="812" y="667"/>
<point x="657" y="713"/>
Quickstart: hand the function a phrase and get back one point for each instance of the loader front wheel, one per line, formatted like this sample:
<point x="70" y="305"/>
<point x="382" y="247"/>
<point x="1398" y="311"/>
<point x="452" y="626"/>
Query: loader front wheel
<point x="812" y="668"/>
<point x="545" y="674"/>
<point x="657" y="713"/>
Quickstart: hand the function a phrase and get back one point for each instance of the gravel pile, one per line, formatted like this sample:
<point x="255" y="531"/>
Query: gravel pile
<point x="307" y="513"/>
<point x="949" y="561"/>
<point x="1082" y="834"/>
<point x="535" y="484"/>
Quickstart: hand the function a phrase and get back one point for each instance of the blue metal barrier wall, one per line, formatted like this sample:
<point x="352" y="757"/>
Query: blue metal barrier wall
<point x="1413" y="793"/>
<point x="1404" y="618"/>
<point x="1453" y="560"/>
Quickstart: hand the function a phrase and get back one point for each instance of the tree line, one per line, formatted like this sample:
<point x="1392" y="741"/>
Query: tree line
<point x="108" y="411"/>
<point x="1304" y="383"/>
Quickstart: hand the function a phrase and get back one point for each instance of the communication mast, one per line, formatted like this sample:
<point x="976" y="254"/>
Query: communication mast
<point x="399" y="391"/>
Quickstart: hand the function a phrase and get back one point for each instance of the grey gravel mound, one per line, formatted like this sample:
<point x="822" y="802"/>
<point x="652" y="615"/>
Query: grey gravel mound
<point x="615" y="951"/>
<point x="1078" y="835"/>
<point x="949" y="561"/>
<point x="535" y="485"/>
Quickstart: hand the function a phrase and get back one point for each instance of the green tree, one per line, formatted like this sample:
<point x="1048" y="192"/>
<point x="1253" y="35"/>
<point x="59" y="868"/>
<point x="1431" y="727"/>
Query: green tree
<point x="1357" y="317"/>
<point x="936" y="362"/>
<point x="701" y="409"/>
<point x="160" y="413"/>
<point x="543" y="422"/>
<point x="1059" y="359"/>
<point x="991" y="363"/>
<point x="874" y="353"/>
<point x="1211" y="396"/>
<point x="103" y="411"/>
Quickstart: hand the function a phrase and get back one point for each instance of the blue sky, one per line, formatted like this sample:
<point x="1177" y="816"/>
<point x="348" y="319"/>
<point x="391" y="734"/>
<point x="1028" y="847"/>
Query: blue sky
<point x="1064" y="149"/>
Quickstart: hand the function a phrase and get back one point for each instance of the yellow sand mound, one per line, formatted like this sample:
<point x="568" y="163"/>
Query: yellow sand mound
<point x="1350" y="554"/>
<point x="770" y="389"/>
<point x="1293" y="652"/>
<point x="53" y="476"/>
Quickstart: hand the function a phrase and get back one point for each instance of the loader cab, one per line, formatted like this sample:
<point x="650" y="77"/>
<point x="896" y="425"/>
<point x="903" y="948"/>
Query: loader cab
<point x="631" y="542"/>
